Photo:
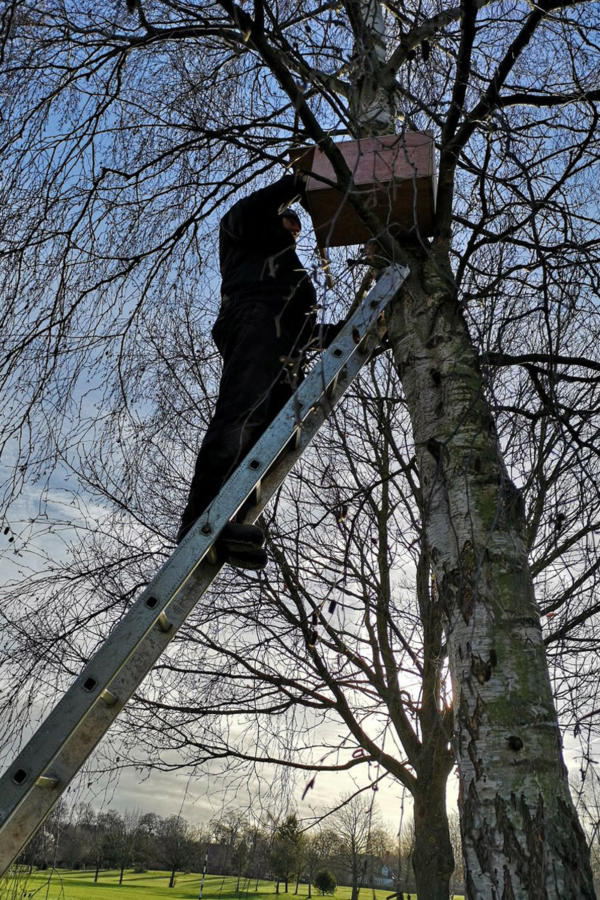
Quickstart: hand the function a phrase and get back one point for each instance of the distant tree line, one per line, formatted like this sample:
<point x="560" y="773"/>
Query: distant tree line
<point x="352" y="848"/>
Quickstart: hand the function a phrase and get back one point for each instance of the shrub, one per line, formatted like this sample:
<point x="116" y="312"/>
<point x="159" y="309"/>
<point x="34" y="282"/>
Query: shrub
<point x="325" y="882"/>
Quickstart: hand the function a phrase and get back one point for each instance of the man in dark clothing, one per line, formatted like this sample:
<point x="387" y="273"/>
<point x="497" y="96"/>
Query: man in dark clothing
<point x="266" y="324"/>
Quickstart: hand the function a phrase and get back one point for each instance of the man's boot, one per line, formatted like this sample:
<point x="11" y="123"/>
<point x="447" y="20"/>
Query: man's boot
<point x="242" y="546"/>
<point x="239" y="545"/>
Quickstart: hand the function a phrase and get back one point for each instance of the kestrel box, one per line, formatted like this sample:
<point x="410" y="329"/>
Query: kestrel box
<point x="393" y="174"/>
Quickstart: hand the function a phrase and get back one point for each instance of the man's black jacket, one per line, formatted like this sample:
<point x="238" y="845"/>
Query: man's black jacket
<point x="258" y="257"/>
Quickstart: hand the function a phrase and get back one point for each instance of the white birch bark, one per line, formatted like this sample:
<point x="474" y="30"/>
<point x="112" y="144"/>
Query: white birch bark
<point x="372" y="101"/>
<point x="521" y="836"/>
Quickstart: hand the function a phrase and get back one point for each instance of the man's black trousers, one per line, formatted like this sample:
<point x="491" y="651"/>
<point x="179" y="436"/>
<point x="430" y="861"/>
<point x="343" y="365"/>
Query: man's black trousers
<point x="261" y="363"/>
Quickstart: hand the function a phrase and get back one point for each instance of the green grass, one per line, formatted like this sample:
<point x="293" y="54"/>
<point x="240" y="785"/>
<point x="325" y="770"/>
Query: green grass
<point x="63" y="884"/>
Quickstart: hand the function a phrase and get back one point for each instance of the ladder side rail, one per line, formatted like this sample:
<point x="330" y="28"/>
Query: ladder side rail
<point x="152" y="602"/>
<point x="50" y="771"/>
<point x="41" y="798"/>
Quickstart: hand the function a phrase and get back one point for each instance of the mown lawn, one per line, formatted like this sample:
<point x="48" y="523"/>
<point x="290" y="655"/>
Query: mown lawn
<point x="62" y="884"/>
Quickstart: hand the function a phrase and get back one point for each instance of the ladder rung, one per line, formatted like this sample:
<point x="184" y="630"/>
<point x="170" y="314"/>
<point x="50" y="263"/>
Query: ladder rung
<point x="163" y="622"/>
<point x="212" y="556"/>
<point x="46" y="781"/>
<point x="109" y="698"/>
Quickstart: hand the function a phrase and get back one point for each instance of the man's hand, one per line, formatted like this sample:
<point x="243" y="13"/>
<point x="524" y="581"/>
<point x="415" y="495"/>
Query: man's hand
<point x="301" y="180"/>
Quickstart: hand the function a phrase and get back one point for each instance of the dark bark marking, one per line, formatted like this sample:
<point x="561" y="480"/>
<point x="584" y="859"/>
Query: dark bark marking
<point x="536" y="839"/>
<point x="529" y="861"/>
<point x="471" y="893"/>
<point x="484" y="838"/>
<point x="571" y="847"/>
<point x="514" y="742"/>
<point x="481" y="668"/>
<point x="472" y="723"/>
<point x="507" y="893"/>
<point x="435" y="448"/>
<point x="406" y="365"/>
<point x="435" y="341"/>
<point x="466" y="594"/>
<point x="523" y="622"/>
<point x="477" y="763"/>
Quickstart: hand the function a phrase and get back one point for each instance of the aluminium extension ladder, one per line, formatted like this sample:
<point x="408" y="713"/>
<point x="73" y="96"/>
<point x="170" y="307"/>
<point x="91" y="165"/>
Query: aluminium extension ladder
<point x="33" y="783"/>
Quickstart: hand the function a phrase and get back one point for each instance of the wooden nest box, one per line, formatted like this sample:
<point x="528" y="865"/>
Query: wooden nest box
<point x="393" y="174"/>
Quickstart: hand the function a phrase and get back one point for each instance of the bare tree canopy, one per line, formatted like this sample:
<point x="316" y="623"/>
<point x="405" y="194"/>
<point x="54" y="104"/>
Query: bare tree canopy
<point x="405" y="535"/>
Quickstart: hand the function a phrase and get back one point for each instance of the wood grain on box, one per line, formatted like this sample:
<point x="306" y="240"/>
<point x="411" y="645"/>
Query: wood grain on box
<point x="393" y="174"/>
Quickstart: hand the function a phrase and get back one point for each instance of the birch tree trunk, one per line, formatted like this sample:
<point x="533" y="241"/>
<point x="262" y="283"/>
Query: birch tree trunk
<point x="372" y="98"/>
<point x="372" y="103"/>
<point x="521" y="836"/>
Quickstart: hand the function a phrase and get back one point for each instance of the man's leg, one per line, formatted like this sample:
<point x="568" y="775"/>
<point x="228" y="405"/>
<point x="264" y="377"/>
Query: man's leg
<point x="253" y="389"/>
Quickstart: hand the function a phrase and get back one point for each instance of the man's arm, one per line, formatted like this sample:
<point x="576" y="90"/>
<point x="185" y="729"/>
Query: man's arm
<point x="251" y="217"/>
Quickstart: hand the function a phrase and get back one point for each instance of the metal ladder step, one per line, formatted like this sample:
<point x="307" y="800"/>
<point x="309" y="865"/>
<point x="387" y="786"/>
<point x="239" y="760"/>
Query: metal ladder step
<point x="44" y="768"/>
